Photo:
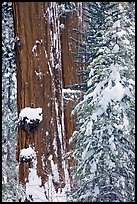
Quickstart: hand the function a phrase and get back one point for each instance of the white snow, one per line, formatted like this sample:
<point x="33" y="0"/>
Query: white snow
<point x="55" y="38"/>
<point x="89" y="82"/>
<point x="47" y="192"/>
<point x="111" y="139"/>
<point x="101" y="50"/>
<point x="34" y="49"/>
<point x="125" y="121"/>
<point x="85" y="151"/>
<point x="115" y="48"/>
<point x="50" y="70"/>
<point x="112" y="146"/>
<point x="112" y="164"/>
<point x="126" y="42"/>
<point x="96" y="191"/>
<point x="27" y="152"/>
<point x="73" y="136"/>
<point x="122" y="181"/>
<point x="70" y="91"/>
<point x="119" y="34"/>
<point x="39" y="74"/>
<point x="91" y="72"/>
<point x="85" y="195"/>
<point x="128" y="93"/>
<point x="89" y="128"/>
<point x="33" y="187"/>
<point x="93" y="167"/>
<point x="97" y="113"/>
<point x="130" y="152"/>
<point x="62" y="26"/>
<point x="116" y="24"/>
<point x="38" y="41"/>
<point x="131" y="81"/>
<point x="131" y="31"/>
<point x="115" y="76"/>
<point x="31" y="114"/>
<point x="49" y="66"/>
<point x="57" y="66"/>
<point x="71" y="94"/>
<point x="110" y="129"/>
<point x="54" y="146"/>
<point x="117" y="92"/>
<point x="106" y="97"/>
<point x="120" y="7"/>
<point x="50" y="157"/>
<point x="59" y="128"/>
<point x="97" y="90"/>
<point x="55" y="171"/>
<point x="92" y="176"/>
<point x="4" y="179"/>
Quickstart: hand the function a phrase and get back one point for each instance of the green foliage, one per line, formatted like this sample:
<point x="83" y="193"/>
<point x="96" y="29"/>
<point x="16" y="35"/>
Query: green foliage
<point x="105" y="140"/>
<point x="66" y="8"/>
<point x="10" y="189"/>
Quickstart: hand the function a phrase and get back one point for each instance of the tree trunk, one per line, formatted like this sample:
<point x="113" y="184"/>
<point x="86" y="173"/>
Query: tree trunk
<point x="45" y="65"/>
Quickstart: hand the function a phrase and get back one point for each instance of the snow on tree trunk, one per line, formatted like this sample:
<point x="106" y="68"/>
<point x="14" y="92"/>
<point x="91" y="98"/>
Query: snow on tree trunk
<point x="44" y="66"/>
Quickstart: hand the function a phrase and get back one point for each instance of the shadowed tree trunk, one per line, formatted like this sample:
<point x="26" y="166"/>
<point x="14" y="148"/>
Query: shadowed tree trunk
<point x="45" y="65"/>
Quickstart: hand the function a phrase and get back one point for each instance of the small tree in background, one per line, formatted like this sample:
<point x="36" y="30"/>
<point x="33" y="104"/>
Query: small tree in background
<point x="10" y="191"/>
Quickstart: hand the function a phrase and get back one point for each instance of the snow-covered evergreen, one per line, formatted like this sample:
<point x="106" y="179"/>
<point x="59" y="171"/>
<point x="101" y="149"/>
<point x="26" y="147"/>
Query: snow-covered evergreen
<point x="11" y="192"/>
<point x="96" y="13"/>
<point x="104" y="137"/>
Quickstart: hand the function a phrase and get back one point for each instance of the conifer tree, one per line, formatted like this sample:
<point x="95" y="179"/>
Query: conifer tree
<point x="104" y="138"/>
<point x="95" y="14"/>
<point x="10" y="190"/>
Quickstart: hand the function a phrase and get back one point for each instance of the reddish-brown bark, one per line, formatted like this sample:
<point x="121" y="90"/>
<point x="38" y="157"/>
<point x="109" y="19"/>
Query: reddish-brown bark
<point x="32" y="21"/>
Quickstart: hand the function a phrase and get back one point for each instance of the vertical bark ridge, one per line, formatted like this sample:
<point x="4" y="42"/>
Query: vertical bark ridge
<point x="45" y="65"/>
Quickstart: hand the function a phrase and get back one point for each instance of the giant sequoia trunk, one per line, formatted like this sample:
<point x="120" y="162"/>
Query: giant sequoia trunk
<point x="45" y="65"/>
